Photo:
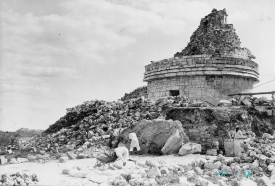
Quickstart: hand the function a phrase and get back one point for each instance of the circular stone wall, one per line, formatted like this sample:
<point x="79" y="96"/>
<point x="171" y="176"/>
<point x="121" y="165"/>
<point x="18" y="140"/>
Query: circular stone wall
<point x="200" y="77"/>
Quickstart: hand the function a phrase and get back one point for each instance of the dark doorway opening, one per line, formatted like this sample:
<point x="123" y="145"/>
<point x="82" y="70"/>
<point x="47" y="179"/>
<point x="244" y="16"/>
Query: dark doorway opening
<point x="174" y="92"/>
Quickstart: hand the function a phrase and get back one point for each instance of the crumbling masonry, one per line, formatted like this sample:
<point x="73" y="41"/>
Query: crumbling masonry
<point x="212" y="65"/>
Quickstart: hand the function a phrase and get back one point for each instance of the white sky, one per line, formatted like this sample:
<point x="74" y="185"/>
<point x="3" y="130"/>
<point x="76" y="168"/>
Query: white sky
<point x="57" y="54"/>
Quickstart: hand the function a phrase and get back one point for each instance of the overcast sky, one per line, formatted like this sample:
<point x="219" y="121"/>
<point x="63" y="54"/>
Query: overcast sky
<point x="57" y="54"/>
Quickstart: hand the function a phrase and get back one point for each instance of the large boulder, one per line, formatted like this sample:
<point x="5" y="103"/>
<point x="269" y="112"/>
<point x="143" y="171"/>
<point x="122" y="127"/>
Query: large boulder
<point x="153" y="135"/>
<point x="190" y="148"/>
<point x="173" y="144"/>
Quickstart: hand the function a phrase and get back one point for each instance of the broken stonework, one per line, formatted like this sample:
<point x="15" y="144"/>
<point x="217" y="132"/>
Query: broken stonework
<point x="190" y="148"/>
<point x="153" y="135"/>
<point x="211" y="66"/>
<point x="173" y="144"/>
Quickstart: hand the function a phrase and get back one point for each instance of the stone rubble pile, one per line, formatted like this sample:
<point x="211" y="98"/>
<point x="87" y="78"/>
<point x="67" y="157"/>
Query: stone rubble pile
<point x="94" y="121"/>
<point x="138" y="92"/>
<point x="157" y="136"/>
<point x="21" y="179"/>
<point x="246" y="101"/>
<point x="214" y="36"/>
<point x="219" y="171"/>
<point x="147" y="174"/>
<point x="259" y="154"/>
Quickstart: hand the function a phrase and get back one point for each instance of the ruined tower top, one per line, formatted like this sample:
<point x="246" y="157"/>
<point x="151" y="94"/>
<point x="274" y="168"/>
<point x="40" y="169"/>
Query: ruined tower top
<point x="214" y="36"/>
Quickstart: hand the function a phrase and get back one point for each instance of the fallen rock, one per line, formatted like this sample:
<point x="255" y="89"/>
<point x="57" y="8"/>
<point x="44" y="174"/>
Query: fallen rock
<point x="154" y="172"/>
<point x="202" y="162"/>
<point x="213" y="166"/>
<point x="189" y="148"/>
<point x="155" y="133"/>
<point x="173" y="144"/>
<point x="151" y="163"/>
<point x="71" y="155"/>
<point x="266" y="135"/>
<point x="81" y="156"/>
<point x="270" y="167"/>
<point x="63" y="159"/>
<point x="198" y="170"/>
<point x="246" y="102"/>
<point x="22" y="160"/>
<point x="220" y="157"/>
<point x="164" y="170"/>
<point x="65" y="171"/>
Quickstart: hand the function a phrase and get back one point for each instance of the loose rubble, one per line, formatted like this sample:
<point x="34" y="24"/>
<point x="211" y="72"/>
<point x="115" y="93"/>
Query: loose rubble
<point x="214" y="36"/>
<point x="18" y="179"/>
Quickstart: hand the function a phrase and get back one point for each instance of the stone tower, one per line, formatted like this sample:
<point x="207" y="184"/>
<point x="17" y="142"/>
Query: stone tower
<point x="209" y="68"/>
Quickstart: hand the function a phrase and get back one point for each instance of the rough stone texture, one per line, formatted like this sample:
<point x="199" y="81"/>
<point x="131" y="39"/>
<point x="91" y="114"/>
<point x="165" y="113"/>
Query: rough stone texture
<point x="214" y="36"/>
<point x="189" y="148"/>
<point x="63" y="159"/>
<point x="152" y="135"/>
<point x="173" y="144"/>
<point x="208" y="125"/>
<point x="154" y="172"/>
<point x="138" y="92"/>
<point x="212" y="65"/>
<point x="201" y="77"/>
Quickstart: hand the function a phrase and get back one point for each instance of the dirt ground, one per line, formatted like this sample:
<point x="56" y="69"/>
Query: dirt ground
<point x="50" y="173"/>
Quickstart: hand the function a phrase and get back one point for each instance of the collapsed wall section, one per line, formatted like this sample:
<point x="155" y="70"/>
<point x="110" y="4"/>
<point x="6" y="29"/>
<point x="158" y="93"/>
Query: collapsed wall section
<point x="207" y="125"/>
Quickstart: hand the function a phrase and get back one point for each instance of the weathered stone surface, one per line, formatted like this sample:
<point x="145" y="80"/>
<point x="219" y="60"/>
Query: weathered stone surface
<point x="63" y="159"/>
<point x="174" y="143"/>
<point x="66" y="171"/>
<point x="152" y="135"/>
<point x="189" y="148"/>
<point x="164" y="170"/>
<point x="213" y="166"/>
<point x="71" y="155"/>
<point x="151" y="163"/>
<point x="266" y="135"/>
<point x="154" y="172"/>
<point x="138" y="92"/>
<point x="189" y="73"/>
<point x="22" y="160"/>
<point x="209" y="38"/>
<point x="246" y="102"/>
<point x="82" y="156"/>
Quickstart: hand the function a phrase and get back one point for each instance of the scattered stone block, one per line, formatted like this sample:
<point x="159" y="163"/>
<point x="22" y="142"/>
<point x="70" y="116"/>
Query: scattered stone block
<point x="174" y="143"/>
<point x="154" y="172"/>
<point x="151" y="163"/>
<point x="189" y="148"/>
<point x="65" y="171"/>
<point x="63" y="159"/>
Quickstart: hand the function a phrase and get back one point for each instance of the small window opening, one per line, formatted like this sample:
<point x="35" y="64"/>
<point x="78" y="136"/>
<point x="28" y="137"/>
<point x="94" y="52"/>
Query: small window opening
<point x="174" y="92"/>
